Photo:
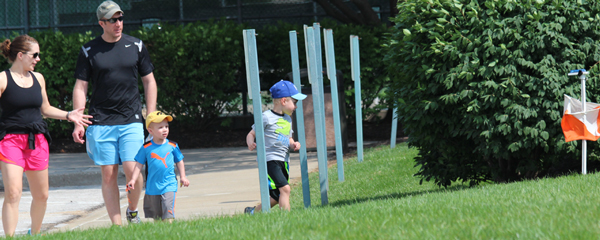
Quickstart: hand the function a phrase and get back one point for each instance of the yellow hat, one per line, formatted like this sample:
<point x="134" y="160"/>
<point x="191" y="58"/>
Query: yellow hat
<point x="156" y="117"/>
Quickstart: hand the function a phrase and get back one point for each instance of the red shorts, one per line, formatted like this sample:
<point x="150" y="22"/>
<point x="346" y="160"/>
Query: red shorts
<point x="14" y="149"/>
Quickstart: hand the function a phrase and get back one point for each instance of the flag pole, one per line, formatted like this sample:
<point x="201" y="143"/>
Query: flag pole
<point x="582" y="76"/>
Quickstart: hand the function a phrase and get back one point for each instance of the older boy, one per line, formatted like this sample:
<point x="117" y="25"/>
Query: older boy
<point x="277" y="125"/>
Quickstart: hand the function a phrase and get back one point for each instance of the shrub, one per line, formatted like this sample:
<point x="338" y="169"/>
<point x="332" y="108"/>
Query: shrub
<point x="196" y="68"/>
<point x="480" y="84"/>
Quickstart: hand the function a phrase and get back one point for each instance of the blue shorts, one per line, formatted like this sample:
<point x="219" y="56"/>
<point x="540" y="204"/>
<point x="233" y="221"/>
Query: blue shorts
<point x="114" y="144"/>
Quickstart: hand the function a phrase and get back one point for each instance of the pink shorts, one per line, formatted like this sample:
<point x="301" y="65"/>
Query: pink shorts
<point x="14" y="149"/>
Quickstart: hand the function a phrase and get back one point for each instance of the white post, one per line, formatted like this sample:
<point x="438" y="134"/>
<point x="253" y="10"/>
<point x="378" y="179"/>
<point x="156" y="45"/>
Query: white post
<point x="581" y="73"/>
<point x="583" y="142"/>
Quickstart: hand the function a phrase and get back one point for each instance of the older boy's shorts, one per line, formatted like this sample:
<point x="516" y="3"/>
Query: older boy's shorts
<point x="14" y="149"/>
<point x="160" y="206"/>
<point x="279" y="174"/>
<point x="114" y="144"/>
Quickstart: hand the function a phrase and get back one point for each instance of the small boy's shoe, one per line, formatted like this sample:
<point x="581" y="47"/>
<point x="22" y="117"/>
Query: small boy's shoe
<point x="249" y="210"/>
<point x="132" y="217"/>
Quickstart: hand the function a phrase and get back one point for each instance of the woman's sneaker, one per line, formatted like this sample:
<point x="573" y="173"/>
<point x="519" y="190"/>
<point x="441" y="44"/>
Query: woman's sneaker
<point x="132" y="217"/>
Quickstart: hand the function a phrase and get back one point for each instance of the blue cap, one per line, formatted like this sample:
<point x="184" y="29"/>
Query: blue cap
<point x="285" y="88"/>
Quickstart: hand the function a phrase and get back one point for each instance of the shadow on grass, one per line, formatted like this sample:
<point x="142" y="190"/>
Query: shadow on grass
<point x="395" y="196"/>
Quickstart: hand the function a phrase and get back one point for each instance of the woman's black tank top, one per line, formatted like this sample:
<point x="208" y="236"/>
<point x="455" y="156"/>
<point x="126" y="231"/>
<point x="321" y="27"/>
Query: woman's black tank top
<point x="20" y="106"/>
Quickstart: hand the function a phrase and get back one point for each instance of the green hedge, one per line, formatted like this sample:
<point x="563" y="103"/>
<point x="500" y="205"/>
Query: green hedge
<point x="199" y="67"/>
<point x="480" y="84"/>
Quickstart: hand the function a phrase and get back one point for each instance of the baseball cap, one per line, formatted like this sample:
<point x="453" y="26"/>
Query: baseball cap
<point x="107" y="9"/>
<point x="156" y="117"/>
<point x="285" y="88"/>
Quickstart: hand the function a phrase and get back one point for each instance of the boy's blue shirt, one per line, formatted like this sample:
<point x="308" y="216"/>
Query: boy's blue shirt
<point x="161" y="166"/>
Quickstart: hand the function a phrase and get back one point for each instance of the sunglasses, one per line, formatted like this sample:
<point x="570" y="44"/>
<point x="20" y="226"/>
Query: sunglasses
<point x="34" y="55"/>
<point x="113" y="20"/>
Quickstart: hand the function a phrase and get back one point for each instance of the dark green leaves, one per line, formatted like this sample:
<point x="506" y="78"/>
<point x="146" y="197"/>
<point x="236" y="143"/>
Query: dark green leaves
<point x="497" y="72"/>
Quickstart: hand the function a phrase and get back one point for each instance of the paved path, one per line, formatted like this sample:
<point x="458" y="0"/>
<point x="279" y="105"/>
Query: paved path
<point x="222" y="181"/>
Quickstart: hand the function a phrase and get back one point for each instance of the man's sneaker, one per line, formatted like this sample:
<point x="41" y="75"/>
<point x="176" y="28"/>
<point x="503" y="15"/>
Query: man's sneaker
<point x="132" y="217"/>
<point x="249" y="210"/>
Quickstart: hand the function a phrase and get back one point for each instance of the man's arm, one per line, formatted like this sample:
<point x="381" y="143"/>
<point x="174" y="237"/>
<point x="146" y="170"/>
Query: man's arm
<point x="150" y="92"/>
<point x="79" y="96"/>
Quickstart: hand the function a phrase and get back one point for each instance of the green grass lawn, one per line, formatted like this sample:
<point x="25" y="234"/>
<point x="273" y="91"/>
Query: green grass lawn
<point x="381" y="199"/>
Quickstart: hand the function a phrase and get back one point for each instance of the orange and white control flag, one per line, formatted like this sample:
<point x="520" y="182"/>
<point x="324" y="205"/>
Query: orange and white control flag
<point x="580" y="125"/>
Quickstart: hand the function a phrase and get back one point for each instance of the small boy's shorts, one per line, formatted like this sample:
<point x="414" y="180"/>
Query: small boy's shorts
<point x="160" y="206"/>
<point x="279" y="174"/>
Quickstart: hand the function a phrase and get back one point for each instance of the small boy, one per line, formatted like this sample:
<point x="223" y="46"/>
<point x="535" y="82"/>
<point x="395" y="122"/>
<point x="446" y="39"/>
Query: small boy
<point x="277" y="125"/>
<point x="161" y="155"/>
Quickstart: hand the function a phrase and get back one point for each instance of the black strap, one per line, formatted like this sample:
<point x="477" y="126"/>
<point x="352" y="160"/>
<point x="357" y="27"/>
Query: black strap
<point x="31" y="141"/>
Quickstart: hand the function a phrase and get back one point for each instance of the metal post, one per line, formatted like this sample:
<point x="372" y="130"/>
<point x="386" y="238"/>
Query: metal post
<point x="181" y="11"/>
<point x="582" y="76"/>
<point x="51" y="13"/>
<point x="322" y="139"/>
<point x="355" y="59"/>
<point x="332" y="75"/>
<point x="26" y="16"/>
<point x="584" y="142"/>
<point x="239" y="8"/>
<point x="321" y="85"/>
<point x="253" y="79"/>
<point x="315" y="11"/>
<point x="309" y="38"/>
<point x="300" y="119"/>
<point x="394" y="128"/>
<point x="37" y="13"/>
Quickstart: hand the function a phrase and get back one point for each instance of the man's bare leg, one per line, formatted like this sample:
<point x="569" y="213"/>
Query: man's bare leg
<point x="110" y="192"/>
<point x="135" y="194"/>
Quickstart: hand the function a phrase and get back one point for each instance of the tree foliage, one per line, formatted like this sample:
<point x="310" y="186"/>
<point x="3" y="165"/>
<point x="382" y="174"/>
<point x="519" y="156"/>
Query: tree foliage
<point x="479" y="84"/>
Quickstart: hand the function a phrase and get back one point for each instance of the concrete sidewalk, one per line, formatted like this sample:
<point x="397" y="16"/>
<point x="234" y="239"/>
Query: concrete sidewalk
<point x="223" y="181"/>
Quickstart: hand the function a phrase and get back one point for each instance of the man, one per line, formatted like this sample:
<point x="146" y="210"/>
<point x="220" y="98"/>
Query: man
<point x="111" y="63"/>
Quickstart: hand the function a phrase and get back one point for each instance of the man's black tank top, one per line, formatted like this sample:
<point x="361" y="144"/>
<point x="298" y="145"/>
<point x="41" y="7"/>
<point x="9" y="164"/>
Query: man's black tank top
<point x="20" y="106"/>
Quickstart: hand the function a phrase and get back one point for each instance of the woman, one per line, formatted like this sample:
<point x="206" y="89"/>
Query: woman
<point x="23" y="132"/>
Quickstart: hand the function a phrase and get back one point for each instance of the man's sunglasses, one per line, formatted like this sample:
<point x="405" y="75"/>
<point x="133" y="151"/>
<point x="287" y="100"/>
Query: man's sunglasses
<point x="34" y="55"/>
<point x="113" y="20"/>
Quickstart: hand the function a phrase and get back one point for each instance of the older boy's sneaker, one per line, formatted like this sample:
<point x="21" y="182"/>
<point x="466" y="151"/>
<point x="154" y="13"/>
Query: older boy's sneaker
<point x="249" y="210"/>
<point x="132" y="217"/>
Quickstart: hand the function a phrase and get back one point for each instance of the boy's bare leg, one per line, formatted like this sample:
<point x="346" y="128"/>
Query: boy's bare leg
<point x="259" y="206"/>
<point x="284" y="197"/>
<point x="110" y="192"/>
<point x="133" y="195"/>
